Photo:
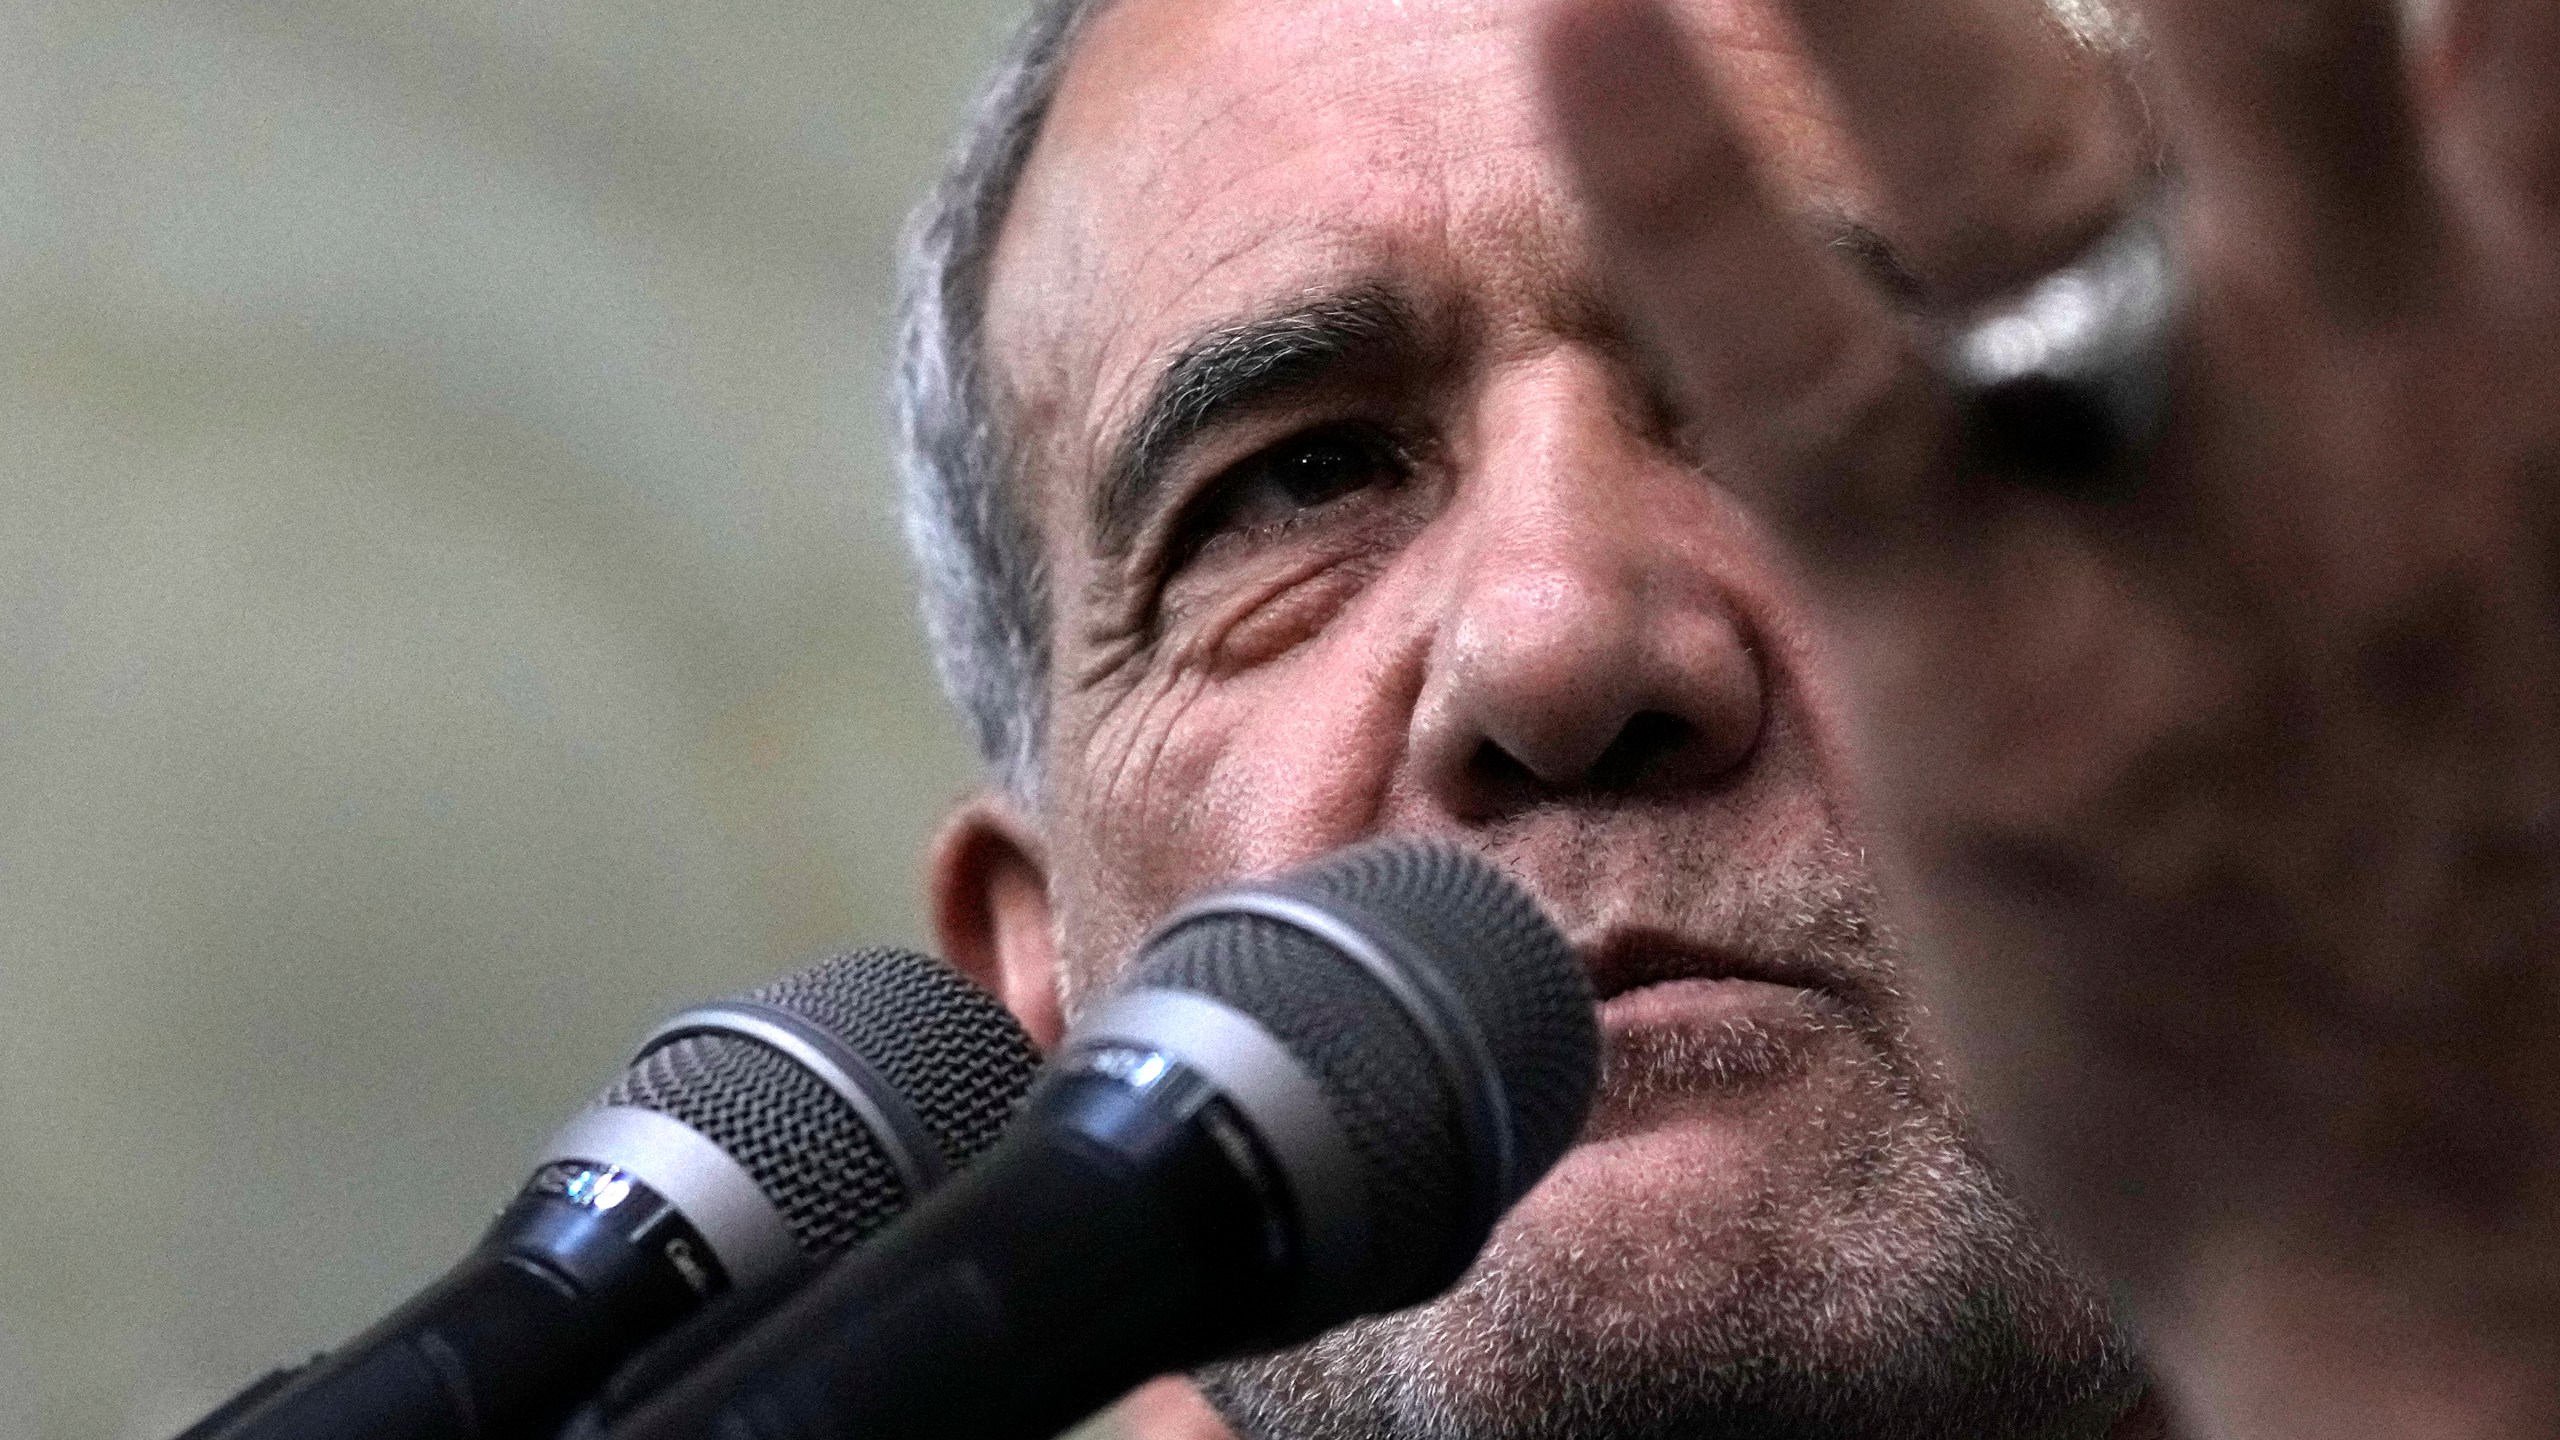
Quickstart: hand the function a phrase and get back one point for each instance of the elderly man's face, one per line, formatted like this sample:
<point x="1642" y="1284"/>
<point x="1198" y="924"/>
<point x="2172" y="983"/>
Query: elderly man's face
<point x="1363" y="516"/>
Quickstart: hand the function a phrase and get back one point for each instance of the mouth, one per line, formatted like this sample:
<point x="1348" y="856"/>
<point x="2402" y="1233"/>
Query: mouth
<point x="1656" y="981"/>
<point x="1686" y="1024"/>
<point x="1627" y="962"/>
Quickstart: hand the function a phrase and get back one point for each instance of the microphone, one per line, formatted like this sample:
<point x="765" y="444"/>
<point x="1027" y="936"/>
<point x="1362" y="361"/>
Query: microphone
<point x="1310" y="1100"/>
<point x="750" y="1140"/>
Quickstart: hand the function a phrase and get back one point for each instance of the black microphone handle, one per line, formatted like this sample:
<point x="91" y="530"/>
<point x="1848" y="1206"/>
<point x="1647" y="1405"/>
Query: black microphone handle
<point x="504" y="1344"/>
<point x="1107" y="1239"/>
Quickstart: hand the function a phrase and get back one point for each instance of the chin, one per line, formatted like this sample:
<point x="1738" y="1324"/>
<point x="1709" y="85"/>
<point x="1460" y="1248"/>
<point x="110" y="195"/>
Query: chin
<point x="1767" y="1234"/>
<point x="1726" y="1156"/>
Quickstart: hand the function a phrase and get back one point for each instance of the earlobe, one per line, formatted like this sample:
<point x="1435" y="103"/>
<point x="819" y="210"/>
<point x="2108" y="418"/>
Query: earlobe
<point x="988" y="879"/>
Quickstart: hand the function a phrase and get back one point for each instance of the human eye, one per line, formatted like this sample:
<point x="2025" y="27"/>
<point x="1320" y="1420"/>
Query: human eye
<point x="1286" y="483"/>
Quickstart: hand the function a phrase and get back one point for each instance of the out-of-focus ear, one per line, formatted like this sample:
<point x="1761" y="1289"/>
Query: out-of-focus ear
<point x="988" y="878"/>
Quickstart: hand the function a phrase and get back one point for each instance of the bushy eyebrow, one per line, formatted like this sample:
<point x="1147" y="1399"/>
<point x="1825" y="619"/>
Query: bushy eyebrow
<point x="1231" y="371"/>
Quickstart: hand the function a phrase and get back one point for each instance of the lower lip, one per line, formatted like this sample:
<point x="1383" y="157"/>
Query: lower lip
<point x="1692" y="1002"/>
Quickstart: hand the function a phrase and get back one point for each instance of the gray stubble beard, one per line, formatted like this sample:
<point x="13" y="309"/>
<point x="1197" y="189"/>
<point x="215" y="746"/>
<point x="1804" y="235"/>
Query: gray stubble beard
<point x="1915" y="1301"/>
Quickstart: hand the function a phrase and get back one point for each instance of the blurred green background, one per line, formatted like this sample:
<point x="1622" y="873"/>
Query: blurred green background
<point x="450" y="614"/>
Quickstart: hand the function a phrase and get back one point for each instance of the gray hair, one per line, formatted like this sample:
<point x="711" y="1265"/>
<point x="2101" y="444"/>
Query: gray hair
<point x="984" y="581"/>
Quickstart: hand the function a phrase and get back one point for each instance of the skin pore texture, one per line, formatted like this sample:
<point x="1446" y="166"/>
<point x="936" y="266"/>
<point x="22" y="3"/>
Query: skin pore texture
<point x="1363" y="515"/>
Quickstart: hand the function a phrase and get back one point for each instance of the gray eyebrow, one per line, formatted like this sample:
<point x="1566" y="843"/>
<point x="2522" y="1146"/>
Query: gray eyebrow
<point x="1231" y="370"/>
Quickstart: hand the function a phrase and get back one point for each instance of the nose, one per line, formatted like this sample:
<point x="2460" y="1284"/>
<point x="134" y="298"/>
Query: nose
<point x="1586" y="648"/>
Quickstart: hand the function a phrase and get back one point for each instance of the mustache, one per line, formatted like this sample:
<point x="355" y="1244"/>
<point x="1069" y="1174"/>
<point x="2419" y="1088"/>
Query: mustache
<point x="1643" y="903"/>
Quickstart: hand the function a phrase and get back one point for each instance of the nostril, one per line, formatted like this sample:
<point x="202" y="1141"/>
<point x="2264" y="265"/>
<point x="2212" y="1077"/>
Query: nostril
<point x="1648" y="740"/>
<point x="1650" y="749"/>
<point x="1494" y="773"/>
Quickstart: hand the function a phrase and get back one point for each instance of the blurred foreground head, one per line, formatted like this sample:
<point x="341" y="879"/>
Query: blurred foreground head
<point x="1279" y="477"/>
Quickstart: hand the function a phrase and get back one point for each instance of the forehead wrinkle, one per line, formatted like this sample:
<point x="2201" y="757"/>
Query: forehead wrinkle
<point x="1374" y="136"/>
<point x="1239" y="46"/>
<point x="1163" y="114"/>
<point x="1206" y="293"/>
<point x="1311" y="233"/>
<point x="1232" y="368"/>
<point x="1092" y="274"/>
<point x="1176" y="107"/>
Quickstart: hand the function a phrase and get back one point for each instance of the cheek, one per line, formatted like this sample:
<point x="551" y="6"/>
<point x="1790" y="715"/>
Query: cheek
<point x="1247" y="774"/>
<point x="1313" y="752"/>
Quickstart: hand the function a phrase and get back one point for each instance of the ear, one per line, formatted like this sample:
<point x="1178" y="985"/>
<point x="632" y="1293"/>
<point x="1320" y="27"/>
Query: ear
<point x="988" y="878"/>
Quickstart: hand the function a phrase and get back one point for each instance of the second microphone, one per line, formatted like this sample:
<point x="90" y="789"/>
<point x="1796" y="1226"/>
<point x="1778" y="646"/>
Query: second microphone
<point x="1309" y="1100"/>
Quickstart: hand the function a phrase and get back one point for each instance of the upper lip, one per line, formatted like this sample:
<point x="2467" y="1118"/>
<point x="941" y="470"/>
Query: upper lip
<point x="1630" y="959"/>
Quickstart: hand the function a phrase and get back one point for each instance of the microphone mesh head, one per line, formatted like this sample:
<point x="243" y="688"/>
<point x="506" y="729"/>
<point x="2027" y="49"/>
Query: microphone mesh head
<point x="1510" y="968"/>
<point x="806" y="1148"/>
<point x="1377" y="1072"/>
<point x="1494" y="952"/>
<point x="959" y="1060"/>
